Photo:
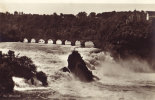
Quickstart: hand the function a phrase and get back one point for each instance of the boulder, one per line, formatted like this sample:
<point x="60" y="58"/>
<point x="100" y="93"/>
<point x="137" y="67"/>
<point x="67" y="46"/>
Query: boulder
<point x="41" y="76"/>
<point x="78" y="67"/>
<point x="65" y="69"/>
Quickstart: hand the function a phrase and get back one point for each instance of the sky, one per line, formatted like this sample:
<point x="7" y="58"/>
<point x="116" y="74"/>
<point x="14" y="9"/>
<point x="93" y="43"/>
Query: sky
<point x="74" y="6"/>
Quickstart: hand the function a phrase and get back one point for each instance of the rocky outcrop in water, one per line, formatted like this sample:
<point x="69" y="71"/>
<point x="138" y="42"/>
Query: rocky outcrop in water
<point x="78" y="67"/>
<point x="23" y="67"/>
<point x="41" y="76"/>
<point x="65" y="69"/>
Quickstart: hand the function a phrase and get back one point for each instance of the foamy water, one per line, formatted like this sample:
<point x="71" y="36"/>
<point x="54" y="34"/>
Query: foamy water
<point x="124" y="80"/>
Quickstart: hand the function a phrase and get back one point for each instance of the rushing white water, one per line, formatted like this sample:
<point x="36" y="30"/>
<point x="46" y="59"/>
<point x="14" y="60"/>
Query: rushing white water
<point x="124" y="80"/>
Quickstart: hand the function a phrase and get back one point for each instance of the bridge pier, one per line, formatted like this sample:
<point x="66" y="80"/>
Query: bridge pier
<point x="29" y="40"/>
<point x="21" y="40"/>
<point x="95" y="44"/>
<point x="36" y="40"/>
<point x="63" y="42"/>
<point x="54" y="41"/>
<point x="46" y="41"/>
<point x="73" y="43"/>
<point x="83" y="43"/>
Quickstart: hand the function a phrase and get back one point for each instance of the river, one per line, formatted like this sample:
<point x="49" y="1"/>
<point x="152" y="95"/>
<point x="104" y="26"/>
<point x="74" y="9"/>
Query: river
<point x="124" y="80"/>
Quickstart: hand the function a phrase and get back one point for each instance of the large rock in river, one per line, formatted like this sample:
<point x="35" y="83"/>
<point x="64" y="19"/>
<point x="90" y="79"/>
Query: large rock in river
<point x="78" y="67"/>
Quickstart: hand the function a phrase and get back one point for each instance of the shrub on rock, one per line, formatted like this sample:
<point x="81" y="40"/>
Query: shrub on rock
<point x="23" y="67"/>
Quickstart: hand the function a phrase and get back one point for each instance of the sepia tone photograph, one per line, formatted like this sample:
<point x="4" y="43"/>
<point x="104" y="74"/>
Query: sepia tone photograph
<point x="77" y="50"/>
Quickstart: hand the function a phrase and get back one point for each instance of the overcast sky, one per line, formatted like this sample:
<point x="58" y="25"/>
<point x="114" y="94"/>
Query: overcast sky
<point x="74" y="6"/>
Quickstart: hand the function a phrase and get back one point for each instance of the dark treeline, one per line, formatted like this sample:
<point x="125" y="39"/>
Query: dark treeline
<point x="121" y="33"/>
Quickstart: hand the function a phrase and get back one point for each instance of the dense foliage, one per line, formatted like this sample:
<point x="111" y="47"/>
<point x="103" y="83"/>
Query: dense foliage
<point x="23" y="67"/>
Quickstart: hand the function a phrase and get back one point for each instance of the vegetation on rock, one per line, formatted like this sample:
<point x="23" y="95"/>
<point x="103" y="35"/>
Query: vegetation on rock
<point x="23" y="67"/>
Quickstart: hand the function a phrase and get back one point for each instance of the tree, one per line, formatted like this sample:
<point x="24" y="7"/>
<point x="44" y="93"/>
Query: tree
<point x="82" y="15"/>
<point x="92" y="15"/>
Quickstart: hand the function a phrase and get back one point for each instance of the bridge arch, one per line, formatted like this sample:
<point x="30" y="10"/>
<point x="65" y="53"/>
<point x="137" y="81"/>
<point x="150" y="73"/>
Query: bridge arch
<point x="25" y="40"/>
<point x="41" y="41"/>
<point x="77" y="43"/>
<point x="50" y="41"/>
<point x="67" y="42"/>
<point x="33" y="40"/>
<point x="89" y="44"/>
<point x="58" y="41"/>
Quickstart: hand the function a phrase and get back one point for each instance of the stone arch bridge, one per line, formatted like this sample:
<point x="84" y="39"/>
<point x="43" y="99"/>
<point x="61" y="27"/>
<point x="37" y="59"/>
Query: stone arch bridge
<point x="54" y="41"/>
